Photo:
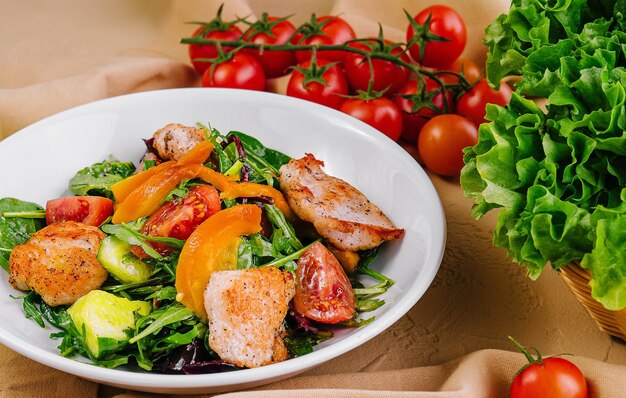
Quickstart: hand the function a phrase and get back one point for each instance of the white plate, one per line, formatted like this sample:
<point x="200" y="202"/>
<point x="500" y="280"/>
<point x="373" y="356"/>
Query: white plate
<point x="37" y="162"/>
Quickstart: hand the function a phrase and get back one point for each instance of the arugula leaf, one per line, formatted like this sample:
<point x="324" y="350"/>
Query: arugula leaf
<point x="16" y="230"/>
<point x="160" y="318"/>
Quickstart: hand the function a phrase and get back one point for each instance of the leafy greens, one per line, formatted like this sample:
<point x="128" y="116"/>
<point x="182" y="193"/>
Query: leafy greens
<point x="559" y="176"/>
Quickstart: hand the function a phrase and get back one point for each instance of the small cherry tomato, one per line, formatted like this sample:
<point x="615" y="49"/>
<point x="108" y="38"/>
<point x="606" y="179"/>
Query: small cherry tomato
<point x="330" y="93"/>
<point x="412" y="122"/>
<point x="444" y="22"/>
<point x="473" y="104"/>
<point x="387" y="75"/>
<point x="241" y="71"/>
<point x="196" y="51"/>
<point x="334" y="31"/>
<point x="441" y="142"/>
<point x="323" y="290"/>
<point x="549" y="377"/>
<point x="380" y="113"/>
<point x="178" y="218"/>
<point x="274" y="63"/>
<point x="467" y="67"/>
<point x="90" y="210"/>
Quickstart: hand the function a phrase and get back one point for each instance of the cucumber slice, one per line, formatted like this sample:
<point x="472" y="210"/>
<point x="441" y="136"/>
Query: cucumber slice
<point x="116" y="257"/>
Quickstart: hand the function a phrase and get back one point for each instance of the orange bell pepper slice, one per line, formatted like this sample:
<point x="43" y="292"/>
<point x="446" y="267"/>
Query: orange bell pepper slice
<point x="251" y="190"/>
<point x="212" y="247"/>
<point x="123" y="188"/>
<point x="147" y="197"/>
<point x="198" y="154"/>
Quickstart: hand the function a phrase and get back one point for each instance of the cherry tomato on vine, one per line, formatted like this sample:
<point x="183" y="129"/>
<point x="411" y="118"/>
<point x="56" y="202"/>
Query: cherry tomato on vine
<point x="412" y="122"/>
<point x="323" y="290"/>
<point x="441" y="142"/>
<point x="473" y="103"/>
<point x="549" y="377"/>
<point x="334" y="30"/>
<point x="90" y="210"/>
<point x="380" y="113"/>
<point x="469" y="68"/>
<point x="227" y="33"/>
<point x="241" y="71"/>
<point x="275" y="63"/>
<point x="387" y="75"/>
<point x="329" y="93"/>
<point x="178" y="218"/>
<point x="444" y="22"/>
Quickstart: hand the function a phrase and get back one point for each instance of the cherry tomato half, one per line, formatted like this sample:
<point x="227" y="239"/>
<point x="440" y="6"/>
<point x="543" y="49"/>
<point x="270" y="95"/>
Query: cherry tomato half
<point x="444" y="22"/>
<point x="334" y="31"/>
<point x="380" y="113"/>
<point x="274" y="63"/>
<point x="412" y="122"/>
<point x="323" y="290"/>
<point x="210" y="51"/>
<point x="180" y="217"/>
<point x="241" y="71"/>
<point x="554" y="378"/>
<point x="473" y="103"/>
<point x="90" y="210"/>
<point x="387" y="75"/>
<point x="329" y="94"/>
<point x="441" y="142"/>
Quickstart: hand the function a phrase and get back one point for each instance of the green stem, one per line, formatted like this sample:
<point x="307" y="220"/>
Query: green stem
<point x="319" y="47"/>
<point x="25" y="214"/>
<point x="525" y="351"/>
<point x="293" y="256"/>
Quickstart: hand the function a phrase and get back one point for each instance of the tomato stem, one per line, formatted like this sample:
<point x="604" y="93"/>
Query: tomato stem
<point x="527" y="354"/>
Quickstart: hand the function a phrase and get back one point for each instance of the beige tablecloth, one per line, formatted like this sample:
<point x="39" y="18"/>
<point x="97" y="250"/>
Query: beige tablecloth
<point x="452" y="343"/>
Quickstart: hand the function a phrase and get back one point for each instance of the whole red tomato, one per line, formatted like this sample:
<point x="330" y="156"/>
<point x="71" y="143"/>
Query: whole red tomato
<point x="323" y="290"/>
<point x="549" y="377"/>
<point x="473" y="103"/>
<point x="412" y="122"/>
<point x="441" y="142"/>
<point x="334" y="30"/>
<point x="444" y="22"/>
<point x="241" y="71"/>
<point x="329" y="93"/>
<point x="196" y="51"/>
<point x="469" y="68"/>
<point x="380" y="113"/>
<point x="273" y="30"/>
<point x="387" y="75"/>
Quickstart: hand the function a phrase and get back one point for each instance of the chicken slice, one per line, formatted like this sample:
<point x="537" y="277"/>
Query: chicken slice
<point x="59" y="263"/>
<point x="246" y="309"/>
<point x="339" y="212"/>
<point x="174" y="140"/>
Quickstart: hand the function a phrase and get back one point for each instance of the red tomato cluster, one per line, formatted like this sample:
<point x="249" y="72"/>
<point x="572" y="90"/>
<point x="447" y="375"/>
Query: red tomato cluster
<point x="384" y="93"/>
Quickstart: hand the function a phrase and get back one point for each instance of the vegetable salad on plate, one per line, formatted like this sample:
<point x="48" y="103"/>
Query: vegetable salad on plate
<point x="215" y="253"/>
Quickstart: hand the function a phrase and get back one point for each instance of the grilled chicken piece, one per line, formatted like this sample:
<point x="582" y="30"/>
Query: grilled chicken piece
<point x="246" y="309"/>
<point x="174" y="140"/>
<point x="339" y="212"/>
<point x="59" y="263"/>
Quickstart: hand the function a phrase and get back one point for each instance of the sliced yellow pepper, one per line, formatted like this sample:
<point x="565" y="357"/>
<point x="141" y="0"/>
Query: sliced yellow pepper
<point x="213" y="247"/>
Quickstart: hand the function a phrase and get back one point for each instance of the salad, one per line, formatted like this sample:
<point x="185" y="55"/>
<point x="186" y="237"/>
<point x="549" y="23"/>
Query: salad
<point x="214" y="253"/>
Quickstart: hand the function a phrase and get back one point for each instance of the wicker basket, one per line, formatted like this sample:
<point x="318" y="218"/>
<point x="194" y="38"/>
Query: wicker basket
<point x="611" y="322"/>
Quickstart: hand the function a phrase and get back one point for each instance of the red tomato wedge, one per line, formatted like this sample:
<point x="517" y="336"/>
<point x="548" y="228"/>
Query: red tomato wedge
<point x="323" y="291"/>
<point x="90" y="210"/>
<point x="180" y="217"/>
